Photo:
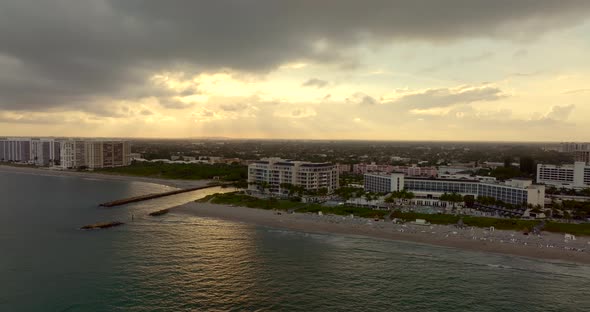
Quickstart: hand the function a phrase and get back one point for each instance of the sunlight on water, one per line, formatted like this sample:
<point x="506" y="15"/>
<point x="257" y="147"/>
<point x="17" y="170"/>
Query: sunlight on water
<point x="178" y="262"/>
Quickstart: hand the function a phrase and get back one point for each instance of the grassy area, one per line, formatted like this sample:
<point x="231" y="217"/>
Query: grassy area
<point x="501" y="224"/>
<point x="282" y="204"/>
<point x="252" y="202"/>
<point x="181" y="171"/>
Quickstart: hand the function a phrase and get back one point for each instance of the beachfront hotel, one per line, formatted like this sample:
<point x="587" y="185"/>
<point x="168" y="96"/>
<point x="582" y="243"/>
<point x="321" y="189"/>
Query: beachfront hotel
<point x="576" y="176"/>
<point x="271" y="174"/>
<point x="94" y="154"/>
<point x="515" y="191"/>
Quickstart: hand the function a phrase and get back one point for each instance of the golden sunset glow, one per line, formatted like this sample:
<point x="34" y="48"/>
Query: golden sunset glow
<point x="520" y="78"/>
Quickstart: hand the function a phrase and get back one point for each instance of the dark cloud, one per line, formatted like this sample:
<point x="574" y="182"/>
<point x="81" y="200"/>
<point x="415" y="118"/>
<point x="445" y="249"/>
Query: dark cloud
<point x="63" y="53"/>
<point x="146" y="112"/>
<point x="459" y="61"/>
<point x="314" y="82"/>
<point x="173" y="103"/>
<point x="444" y="97"/>
<point x="233" y="107"/>
<point x="360" y="98"/>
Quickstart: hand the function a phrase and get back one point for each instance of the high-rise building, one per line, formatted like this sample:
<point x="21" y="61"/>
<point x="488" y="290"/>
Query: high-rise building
<point x="15" y="150"/>
<point x="570" y="147"/>
<point x="576" y="176"/>
<point x="45" y="152"/>
<point x="582" y="156"/>
<point x="273" y="174"/>
<point x="94" y="154"/>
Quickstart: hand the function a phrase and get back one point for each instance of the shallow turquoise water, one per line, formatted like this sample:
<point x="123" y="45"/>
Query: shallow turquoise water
<point x="179" y="262"/>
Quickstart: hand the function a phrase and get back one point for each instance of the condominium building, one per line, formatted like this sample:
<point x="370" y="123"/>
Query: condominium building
<point x="514" y="192"/>
<point x="274" y="173"/>
<point x="570" y="147"/>
<point x="363" y="168"/>
<point x="73" y="154"/>
<point x="413" y="171"/>
<point x="94" y="154"/>
<point x="15" y="150"/>
<point x="42" y="152"/>
<point x="582" y="156"/>
<point x="45" y="152"/>
<point x="576" y="176"/>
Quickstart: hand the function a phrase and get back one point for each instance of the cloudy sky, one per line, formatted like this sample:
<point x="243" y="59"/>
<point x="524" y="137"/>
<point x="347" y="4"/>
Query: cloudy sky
<point x="330" y="69"/>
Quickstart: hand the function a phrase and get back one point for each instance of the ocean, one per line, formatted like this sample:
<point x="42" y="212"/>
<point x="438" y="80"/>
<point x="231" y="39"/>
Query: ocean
<point x="179" y="262"/>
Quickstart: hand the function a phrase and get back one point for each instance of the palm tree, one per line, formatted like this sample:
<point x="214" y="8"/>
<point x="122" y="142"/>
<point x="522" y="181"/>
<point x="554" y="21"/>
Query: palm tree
<point x="453" y="198"/>
<point x="567" y="216"/>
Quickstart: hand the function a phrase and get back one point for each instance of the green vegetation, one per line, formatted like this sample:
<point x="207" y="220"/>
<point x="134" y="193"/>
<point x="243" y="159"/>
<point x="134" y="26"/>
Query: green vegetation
<point x="528" y="165"/>
<point x="282" y="204"/>
<point x="181" y="171"/>
<point x="19" y="165"/>
<point x="452" y="198"/>
<point x="252" y="202"/>
<point x="351" y="178"/>
<point x="506" y="173"/>
<point x="502" y="224"/>
<point x="580" y="210"/>
<point x="348" y="192"/>
<point x="403" y="194"/>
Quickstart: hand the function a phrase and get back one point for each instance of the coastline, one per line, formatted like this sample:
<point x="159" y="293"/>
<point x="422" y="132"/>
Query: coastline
<point x="549" y="246"/>
<point x="179" y="184"/>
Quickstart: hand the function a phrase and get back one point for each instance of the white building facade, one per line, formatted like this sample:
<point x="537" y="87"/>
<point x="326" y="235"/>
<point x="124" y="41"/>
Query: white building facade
<point x="384" y="183"/>
<point x="515" y="192"/>
<point x="576" y="176"/>
<point x="273" y="174"/>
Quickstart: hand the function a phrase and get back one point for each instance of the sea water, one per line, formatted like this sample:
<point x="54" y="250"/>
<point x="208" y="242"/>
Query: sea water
<point x="179" y="262"/>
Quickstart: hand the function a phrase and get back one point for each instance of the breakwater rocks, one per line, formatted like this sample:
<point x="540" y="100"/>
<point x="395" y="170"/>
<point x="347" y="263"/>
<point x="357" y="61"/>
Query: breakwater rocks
<point x="159" y="212"/>
<point x="120" y="202"/>
<point x="102" y="225"/>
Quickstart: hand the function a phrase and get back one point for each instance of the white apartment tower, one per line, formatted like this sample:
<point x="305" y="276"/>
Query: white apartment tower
<point x="274" y="173"/>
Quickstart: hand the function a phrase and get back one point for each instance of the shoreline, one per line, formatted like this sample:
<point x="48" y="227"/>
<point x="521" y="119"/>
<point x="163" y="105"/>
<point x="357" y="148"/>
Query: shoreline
<point x="549" y="246"/>
<point x="179" y="184"/>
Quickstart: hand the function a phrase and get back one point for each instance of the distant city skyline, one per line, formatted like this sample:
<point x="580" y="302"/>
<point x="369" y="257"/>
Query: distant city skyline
<point x="373" y="70"/>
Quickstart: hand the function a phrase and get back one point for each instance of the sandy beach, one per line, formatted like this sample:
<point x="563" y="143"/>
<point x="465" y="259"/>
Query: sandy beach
<point x="181" y="184"/>
<point x="550" y="246"/>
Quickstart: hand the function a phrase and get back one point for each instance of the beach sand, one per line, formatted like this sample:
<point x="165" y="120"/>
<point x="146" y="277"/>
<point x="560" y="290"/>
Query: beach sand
<point x="181" y="184"/>
<point x="550" y="246"/>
